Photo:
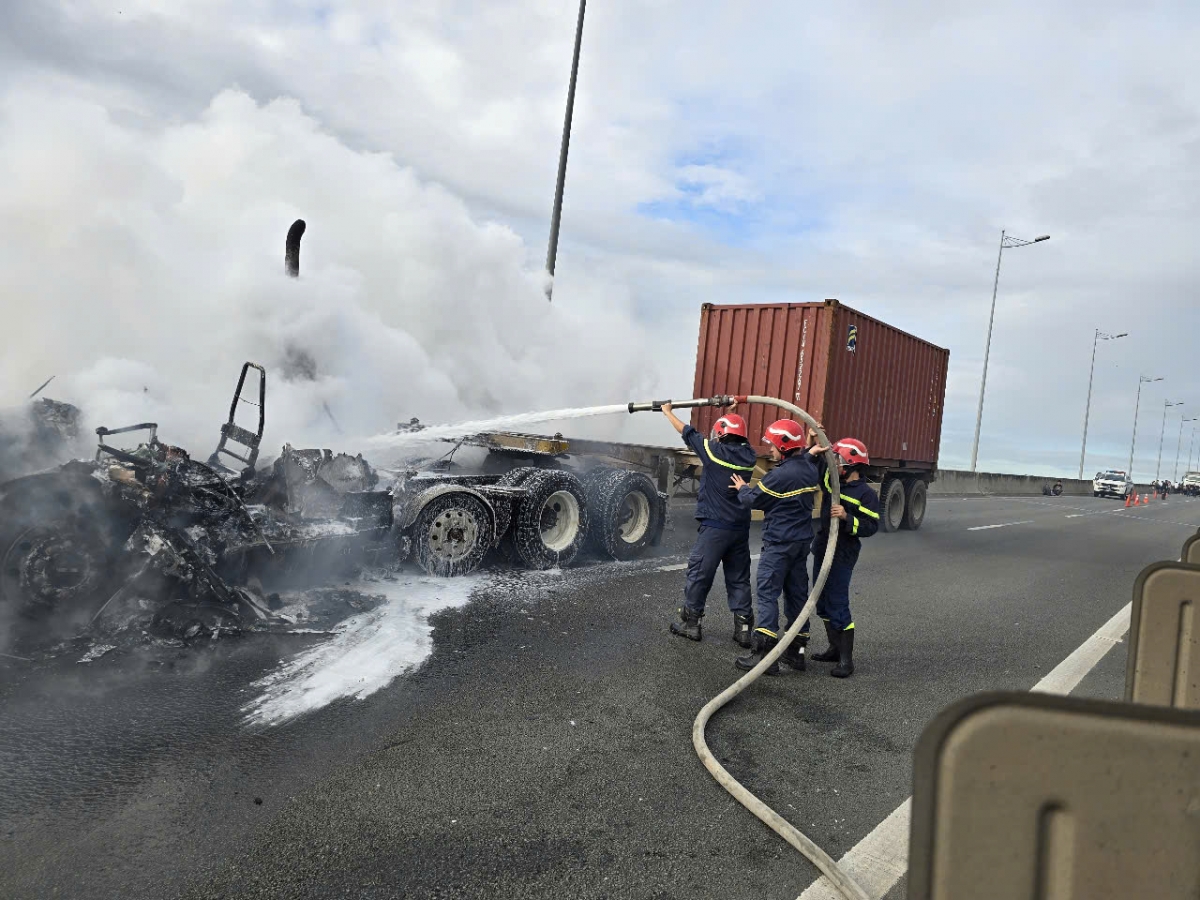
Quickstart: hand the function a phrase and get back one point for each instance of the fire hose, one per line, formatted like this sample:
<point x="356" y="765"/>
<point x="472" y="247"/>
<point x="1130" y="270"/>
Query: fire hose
<point x="818" y="857"/>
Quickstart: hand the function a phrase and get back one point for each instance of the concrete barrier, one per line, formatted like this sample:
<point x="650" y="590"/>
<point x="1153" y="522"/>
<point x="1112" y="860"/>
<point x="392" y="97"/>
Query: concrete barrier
<point x="954" y="483"/>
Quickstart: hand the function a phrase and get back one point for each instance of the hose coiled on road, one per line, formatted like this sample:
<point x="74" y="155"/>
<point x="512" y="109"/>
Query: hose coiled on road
<point x="830" y="869"/>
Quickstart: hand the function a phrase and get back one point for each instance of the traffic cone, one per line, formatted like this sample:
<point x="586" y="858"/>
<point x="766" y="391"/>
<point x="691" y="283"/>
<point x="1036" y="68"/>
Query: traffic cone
<point x="1145" y="501"/>
<point x="1129" y="501"/>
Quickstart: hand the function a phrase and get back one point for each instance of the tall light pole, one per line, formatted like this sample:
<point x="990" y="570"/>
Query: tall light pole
<point x="1191" y="446"/>
<point x="1100" y="336"/>
<point x="1179" y="445"/>
<point x="1007" y="242"/>
<point x="1142" y="379"/>
<point x="1167" y="404"/>
<point x="556" y="215"/>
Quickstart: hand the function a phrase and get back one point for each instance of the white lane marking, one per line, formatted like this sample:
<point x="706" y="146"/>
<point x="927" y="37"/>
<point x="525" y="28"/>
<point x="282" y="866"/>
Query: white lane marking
<point x="1004" y="525"/>
<point x="679" y="567"/>
<point x="879" y="860"/>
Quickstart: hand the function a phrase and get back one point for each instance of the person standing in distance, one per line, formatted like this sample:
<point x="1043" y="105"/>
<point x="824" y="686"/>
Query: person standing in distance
<point x="723" y="536"/>
<point x="785" y="495"/>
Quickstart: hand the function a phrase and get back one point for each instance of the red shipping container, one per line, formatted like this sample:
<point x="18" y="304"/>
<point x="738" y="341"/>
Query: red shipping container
<point x="858" y="376"/>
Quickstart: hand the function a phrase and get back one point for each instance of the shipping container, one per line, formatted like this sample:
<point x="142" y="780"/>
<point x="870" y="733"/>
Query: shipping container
<point x="858" y="376"/>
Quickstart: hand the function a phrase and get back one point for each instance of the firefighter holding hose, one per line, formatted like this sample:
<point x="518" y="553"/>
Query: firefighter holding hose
<point x="857" y="513"/>
<point x="785" y="495"/>
<point x="723" y="535"/>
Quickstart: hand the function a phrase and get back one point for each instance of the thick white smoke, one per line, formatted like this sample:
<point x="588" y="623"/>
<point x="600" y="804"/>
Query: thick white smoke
<point x="143" y="263"/>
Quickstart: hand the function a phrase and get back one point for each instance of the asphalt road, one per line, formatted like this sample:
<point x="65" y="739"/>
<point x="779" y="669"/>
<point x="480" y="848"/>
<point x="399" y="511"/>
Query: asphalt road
<point x="543" y="749"/>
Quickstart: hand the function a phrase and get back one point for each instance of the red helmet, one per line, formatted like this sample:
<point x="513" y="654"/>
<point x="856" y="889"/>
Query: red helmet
<point x="852" y="451"/>
<point x="730" y="424"/>
<point x="785" y="435"/>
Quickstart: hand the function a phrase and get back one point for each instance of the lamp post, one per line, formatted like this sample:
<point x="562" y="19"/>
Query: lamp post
<point x="1100" y="336"/>
<point x="1007" y="242"/>
<point x="1142" y="379"/>
<point x="1167" y="404"/>
<point x="1179" y="445"/>
<point x="556" y="215"/>
<point x="1191" y="446"/>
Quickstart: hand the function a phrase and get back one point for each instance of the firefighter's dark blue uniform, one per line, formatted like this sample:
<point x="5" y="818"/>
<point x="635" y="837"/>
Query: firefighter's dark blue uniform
<point x="785" y="495"/>
<point x="862" y="520"/>
<point x="723" y="537"/>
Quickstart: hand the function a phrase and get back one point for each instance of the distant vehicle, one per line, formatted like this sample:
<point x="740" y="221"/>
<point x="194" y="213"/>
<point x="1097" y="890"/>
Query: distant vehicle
<point x="1190" y="484"/>
<point x="1113" y="483"/>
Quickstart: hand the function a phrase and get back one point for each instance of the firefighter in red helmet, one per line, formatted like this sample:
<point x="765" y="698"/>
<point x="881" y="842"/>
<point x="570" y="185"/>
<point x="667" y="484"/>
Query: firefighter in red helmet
<point x="785" y="494"/>
<point x="723" y="533"/>
<point x="857" y="513"/>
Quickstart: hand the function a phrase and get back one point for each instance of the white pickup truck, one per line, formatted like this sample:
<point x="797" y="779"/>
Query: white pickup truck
<point x="1113" y="483"/>
<point x="1190" y="483"/>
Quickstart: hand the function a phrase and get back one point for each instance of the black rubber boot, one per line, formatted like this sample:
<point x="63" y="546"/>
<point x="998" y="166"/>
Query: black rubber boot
<point x="832" y="654"/>
<point x="688" y="625"/>
<point x="793" y="656"/>
<point x="763" y="644"/>
<point x="845" y="666"/>
<point x="743" y="627"/>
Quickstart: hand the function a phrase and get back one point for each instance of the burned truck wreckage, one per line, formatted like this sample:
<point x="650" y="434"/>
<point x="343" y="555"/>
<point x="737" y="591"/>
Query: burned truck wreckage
<point x="200" y="548"/>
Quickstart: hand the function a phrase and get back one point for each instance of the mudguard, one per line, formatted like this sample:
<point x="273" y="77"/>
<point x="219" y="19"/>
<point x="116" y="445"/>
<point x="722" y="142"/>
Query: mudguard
<point x="409" y="506"/>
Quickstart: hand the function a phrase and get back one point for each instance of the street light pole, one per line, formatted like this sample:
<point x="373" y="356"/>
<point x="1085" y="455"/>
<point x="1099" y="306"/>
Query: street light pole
<point x="1179" y="445"/>
<point x="1100" y="336"/>
<point x="1167" y="404"/>
<point x="556" y="215"/>
<point x="1007" y="242"/>
<point x="1142" y="379"/>
<point x="1191" y="446"/>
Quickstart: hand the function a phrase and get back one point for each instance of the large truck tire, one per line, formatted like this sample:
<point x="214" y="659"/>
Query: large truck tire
<point x="915" y="501"/>
<point x="626" y="515"/>
<point x="61" y="549"/>
<point x="891" y="505"/>
<point x="451" y="534"/>
<point x="552" y="519"/>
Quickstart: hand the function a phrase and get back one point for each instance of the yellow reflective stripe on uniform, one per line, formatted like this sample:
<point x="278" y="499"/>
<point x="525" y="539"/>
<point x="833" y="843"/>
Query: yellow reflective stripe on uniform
<point x="786" y="494"/>
<point x="767" y="632"/>
<point x="858" y="503"/>
<point x="862" y="509"/>
<point x="849" y="627"/>
<point x="854" y="530"/>
<point x="721" y="462"/>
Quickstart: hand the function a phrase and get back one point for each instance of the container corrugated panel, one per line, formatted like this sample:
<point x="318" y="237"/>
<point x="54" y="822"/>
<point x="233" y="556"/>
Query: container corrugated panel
<point x="861" y="377"/>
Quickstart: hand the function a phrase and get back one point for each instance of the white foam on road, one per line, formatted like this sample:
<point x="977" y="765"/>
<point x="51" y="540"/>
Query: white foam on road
<point x="366" y="653"/>
<point x="880" y="859"/>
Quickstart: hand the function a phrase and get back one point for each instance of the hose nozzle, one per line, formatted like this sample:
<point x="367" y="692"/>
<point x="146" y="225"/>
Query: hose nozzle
<point x="657" y="405"/>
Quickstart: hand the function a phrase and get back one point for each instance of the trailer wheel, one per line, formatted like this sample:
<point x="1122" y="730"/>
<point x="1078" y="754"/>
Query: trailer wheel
<point x="891" y="514"/>
<point x="449" y="535"/>
<point x="914" y="504"/>
<point x="627" y="515"/>
<point x="552" y="519"/>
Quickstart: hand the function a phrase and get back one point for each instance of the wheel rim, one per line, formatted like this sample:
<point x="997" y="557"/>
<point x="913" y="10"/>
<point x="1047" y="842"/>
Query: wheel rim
<point x="633" y="517"/>
<point x="918" y="506"/>
<point x="559" y="521"/>
<point x="895" y="507"/>
<point x="453" y="535"/>
<point x="47" y="567"/>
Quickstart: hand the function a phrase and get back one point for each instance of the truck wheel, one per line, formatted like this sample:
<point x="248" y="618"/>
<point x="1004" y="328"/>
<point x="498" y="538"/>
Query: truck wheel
<point x="891" y="513"/>
<point x="515" y="477"/>
<point x="552" y="518"/>
<point x="914" y="505"/>
<point x="628" y="515"/>
<point x="449" y="535"/>
<point x="60" y="555"/>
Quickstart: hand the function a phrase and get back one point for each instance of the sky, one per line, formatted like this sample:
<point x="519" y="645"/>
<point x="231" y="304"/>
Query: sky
<point x="866" y="151"/>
